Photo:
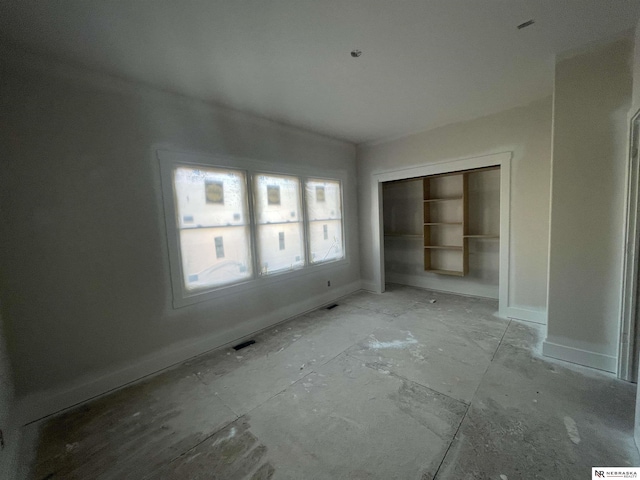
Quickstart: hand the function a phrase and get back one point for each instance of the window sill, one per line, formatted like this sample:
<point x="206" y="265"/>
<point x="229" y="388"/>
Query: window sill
<point x="261" y="281"/>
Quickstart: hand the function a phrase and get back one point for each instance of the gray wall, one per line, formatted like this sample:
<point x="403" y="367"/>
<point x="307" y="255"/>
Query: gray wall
<point x="7" y="423"/>
<point x="634" y="108"/>
<point x="591" y="102"/>
<point x="85" y="275"/>
<point x="525" y="131"/>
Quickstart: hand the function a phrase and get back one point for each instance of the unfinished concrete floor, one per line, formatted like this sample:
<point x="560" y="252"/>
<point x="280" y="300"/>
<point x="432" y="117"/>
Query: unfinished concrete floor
<point x="387" y="386"/>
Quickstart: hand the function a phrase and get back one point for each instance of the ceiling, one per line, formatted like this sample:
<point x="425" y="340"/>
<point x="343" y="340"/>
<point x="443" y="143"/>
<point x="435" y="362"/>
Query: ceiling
<point x="425" y="63"/>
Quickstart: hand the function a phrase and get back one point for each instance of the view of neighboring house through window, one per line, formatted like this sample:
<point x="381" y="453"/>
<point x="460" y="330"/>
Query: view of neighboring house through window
<point x="324" y="214"/>
<point x="213" y="223"/>
<point x="280" y="235"/>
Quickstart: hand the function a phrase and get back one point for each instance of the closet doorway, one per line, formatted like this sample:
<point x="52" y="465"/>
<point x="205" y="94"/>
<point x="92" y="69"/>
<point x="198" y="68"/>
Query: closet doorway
<point x="445" y="226"/>
<point x="442" y="232"/>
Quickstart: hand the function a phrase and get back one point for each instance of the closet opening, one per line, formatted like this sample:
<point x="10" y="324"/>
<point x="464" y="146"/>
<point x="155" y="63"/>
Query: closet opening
<point x="445" y="227"/>
<point x="442" y="232"/>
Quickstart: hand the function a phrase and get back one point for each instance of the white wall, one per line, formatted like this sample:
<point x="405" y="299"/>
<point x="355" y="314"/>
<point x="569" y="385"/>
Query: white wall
<point x="404" y="256"/>
<point x="85" y="274"/>
<point x="635" y="106"/>
<point x="525" y="131"/>
<point x="591" y="102"/>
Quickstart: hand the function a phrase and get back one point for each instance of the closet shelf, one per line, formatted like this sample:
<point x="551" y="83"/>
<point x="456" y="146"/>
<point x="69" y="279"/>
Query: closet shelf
<point x="445" y="248"/>
<point x="429" y="200"/>
<point x="405" y="235"/>
<point x="481" y="236"/>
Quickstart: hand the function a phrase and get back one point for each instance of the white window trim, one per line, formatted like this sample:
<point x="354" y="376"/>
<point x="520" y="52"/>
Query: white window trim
<point x="169" y="159"/>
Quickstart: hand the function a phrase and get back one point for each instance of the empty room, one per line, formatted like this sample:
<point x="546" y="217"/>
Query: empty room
<point x="300" y="239"/>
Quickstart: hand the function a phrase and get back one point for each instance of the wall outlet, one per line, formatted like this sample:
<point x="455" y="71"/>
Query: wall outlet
<point x="328" y="283"/>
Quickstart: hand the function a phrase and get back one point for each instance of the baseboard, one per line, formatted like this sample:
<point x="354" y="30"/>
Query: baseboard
<point x="41" y="404"/>
<point x="527" y="315"/>
<point x="580" y="356"/>
<point x="446" y="284"/>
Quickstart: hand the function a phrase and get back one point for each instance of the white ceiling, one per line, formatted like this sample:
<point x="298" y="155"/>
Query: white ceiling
<point x="425" y="63"/>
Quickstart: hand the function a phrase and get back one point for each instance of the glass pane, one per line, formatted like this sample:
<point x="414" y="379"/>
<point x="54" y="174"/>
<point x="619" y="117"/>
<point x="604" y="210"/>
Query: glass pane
<point x="277" y="199"/>
<point x="325" y="239"/>
<point x="213" y="257"/>
<point x="210" y="197"/>
<point x="324" y="199"/>
<point x="280" y="247"/>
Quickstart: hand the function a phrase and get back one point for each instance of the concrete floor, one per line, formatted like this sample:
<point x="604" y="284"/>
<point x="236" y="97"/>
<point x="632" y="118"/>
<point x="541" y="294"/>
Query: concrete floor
<point x="387" y="386"/>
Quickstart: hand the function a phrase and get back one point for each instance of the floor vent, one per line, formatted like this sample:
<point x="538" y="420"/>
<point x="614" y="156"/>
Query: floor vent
<point x="242" y="345"/>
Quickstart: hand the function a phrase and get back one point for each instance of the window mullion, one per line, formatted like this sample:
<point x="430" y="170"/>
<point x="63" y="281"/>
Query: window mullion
<point x="253" y="224"/>
<point x="305" y="222"/>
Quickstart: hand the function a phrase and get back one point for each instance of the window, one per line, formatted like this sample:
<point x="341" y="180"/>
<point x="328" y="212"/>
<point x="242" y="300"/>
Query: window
<point x="234" y="226"/>
<point x="324" y="214"/>
<point x="213" y="224"/>
<point x="277" y="205"/>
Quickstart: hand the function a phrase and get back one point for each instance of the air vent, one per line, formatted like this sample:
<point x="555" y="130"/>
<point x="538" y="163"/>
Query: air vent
<point x="242" y="345"/>
<point x="526" y="24"/>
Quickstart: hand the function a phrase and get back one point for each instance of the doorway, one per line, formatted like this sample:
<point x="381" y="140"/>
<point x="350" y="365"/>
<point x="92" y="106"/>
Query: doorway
<point x="442" y="232"/>
<point x="501" y="160"/>
<point x="629" y="330"/>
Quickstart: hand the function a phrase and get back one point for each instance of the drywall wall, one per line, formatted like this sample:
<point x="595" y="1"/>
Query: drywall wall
<point x="525" y="131"/>
<point x="85" y="274"/>
<point x="636" y="71"/>
<point x="592" y="98"/>
<point x="634" y="108"/>
<point x="404" y="255"/>
<point x="9" y="431"/>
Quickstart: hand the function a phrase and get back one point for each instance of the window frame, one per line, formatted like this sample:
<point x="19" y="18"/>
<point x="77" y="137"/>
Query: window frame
<point x="247" y="224"/>
<point x="307" y="221"/>
<point x="302" y="220"/>
<point x="168" y="160"/>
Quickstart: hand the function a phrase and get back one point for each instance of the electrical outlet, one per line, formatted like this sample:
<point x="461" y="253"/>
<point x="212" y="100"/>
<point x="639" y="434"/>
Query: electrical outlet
<point x="328" y="283"/>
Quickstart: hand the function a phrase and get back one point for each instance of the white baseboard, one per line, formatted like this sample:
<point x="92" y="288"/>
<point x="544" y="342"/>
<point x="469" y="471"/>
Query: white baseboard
<point x="580" y="356"/>
<point x="41" y="404"/>
<point x="527" y="315"/>
<point x="446" y="284"/>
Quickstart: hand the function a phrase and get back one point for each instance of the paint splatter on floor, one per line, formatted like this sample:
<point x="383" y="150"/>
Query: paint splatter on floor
<point x="377" y="344"/>
<point x="572" y="429"/>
